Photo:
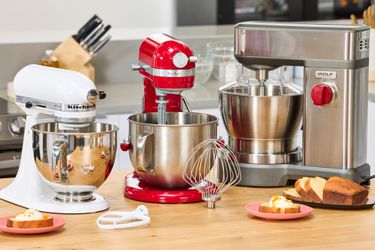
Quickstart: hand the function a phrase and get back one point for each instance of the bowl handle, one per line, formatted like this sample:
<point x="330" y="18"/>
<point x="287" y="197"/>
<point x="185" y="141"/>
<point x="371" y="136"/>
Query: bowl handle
<point x="144" y="152"/>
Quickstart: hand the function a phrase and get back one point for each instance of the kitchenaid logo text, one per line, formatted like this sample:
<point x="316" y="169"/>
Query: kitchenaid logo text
<point x="325" y="74"/>
<point x="80" y="106"/>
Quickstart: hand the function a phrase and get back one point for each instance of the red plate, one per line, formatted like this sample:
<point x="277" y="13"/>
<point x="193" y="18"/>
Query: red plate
<point x="253" y="209"/>
<point x="58" y="222"/>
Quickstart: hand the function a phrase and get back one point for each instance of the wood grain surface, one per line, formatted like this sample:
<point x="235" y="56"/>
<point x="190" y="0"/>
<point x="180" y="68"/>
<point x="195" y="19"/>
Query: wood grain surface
<point x="192" y="226"/>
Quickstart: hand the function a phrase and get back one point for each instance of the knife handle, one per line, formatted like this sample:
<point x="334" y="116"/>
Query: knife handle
<point x="100" y="45"/>
<point x="91" y="35"/>
<point x="89" y="29"/>
<point x="84" y="27"/>
<point x="97" y="37"/>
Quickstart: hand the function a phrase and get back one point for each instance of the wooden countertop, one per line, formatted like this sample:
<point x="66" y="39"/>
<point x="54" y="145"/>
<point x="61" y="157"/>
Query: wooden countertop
<point x="192" y="226"/>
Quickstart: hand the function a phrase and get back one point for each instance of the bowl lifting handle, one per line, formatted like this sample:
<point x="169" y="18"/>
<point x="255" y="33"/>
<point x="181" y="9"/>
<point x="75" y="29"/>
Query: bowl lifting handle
<point x="144" y="150"/>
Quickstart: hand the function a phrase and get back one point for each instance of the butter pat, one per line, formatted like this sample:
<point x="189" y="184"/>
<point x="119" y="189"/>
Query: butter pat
<point x="28" y="215"/>
<point x="280" y="202"/>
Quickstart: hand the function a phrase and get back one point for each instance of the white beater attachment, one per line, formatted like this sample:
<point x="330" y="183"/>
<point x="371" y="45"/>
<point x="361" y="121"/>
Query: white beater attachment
<point x="118" y="219"/>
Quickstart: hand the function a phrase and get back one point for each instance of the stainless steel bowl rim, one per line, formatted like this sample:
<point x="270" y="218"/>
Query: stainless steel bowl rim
<point x="259" y="96"/>
<point x="225" y="89"/>
<point x="115" y="129"/>
<point x="174" y="125"/>
<point x="259" y="139"/>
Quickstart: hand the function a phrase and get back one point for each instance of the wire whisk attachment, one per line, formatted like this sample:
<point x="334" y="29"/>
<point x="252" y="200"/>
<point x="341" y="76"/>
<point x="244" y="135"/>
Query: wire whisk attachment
<point x="212" y="169"/>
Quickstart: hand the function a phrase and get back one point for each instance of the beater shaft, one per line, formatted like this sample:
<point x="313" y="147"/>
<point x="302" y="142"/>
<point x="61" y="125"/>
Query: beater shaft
<point x="161" y="109"/>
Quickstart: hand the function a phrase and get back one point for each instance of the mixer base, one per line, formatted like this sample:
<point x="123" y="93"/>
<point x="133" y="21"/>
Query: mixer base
<point x="137" y="189"/>
<point x="258" y="175"/>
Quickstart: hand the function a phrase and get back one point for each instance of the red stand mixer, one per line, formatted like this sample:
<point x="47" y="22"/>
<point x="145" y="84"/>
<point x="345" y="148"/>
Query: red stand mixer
<point x="168" y="67"/>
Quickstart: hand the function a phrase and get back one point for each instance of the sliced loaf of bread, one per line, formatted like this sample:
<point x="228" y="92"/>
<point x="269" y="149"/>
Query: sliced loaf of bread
<point x="300" y="187"/>
<point x="292" y="194"/>
<point x="314" y="188"/>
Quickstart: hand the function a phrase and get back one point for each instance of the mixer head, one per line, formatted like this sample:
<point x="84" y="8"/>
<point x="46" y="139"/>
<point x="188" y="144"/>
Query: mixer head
<point x="68" y="96"/>
<point x="168" y="66"/>
<point x="167" y="62"/>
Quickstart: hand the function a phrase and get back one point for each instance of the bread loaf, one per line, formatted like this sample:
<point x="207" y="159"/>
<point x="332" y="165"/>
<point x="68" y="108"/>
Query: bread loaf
<point x="342" y="191"/>
<point x="314" y="188"/>
<point x="300" y="186"/>
<point x="292" y="194"/>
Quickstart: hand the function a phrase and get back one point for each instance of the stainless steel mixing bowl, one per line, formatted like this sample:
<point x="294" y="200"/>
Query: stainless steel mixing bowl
<point x="158" y="152"/>
<point x="261" y="124"/>
<point x="74" y="163"/>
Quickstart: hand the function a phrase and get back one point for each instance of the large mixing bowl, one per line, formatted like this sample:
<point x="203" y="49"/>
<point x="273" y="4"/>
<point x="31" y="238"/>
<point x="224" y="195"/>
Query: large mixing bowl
<point x="158" y="152"/>
<point x="261" y="120"/>
<point x="74" y="163"/>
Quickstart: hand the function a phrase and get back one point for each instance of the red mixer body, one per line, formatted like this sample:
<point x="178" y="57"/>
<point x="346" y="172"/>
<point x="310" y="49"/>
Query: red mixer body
<point x="168" y="69"/>
<point x="167" y="65"/>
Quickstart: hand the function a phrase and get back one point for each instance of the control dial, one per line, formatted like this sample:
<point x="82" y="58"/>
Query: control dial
<point x="17" y="126"/>
<point x="322" y="94"/>
<point x="180" y="60"/>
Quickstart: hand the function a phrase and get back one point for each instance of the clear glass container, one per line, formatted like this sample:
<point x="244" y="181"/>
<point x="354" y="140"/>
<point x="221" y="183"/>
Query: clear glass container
<point x="224" y="63"/>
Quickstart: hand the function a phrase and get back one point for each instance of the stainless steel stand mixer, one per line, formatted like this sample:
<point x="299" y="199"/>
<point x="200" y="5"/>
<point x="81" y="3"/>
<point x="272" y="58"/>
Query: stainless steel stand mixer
<point x="66" y="156"/>
<point x="263" y="118"/>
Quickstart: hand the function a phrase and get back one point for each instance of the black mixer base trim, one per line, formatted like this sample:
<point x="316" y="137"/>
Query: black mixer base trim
<point x="257" y="175"/>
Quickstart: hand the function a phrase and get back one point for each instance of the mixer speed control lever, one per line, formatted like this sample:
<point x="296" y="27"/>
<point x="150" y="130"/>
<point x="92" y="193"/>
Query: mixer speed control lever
<point x="193" y="59"/>
<point x="136" y="67"/>
<point x="93" y="95"/>
<point x="322" y="94"/>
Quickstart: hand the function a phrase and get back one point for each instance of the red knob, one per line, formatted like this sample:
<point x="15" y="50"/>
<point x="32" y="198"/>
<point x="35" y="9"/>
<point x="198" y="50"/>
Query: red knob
<point x="221" y="142"/>
<point x="125" y="146"/>
<point x="321" y="94"/>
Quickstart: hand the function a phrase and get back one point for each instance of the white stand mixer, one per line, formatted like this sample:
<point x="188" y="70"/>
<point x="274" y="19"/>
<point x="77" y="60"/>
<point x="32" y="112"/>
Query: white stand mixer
<point x="46" y="95"/>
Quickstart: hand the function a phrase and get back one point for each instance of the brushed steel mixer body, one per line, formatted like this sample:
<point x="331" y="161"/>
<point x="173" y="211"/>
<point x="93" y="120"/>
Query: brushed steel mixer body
<point x="335" y="89"/>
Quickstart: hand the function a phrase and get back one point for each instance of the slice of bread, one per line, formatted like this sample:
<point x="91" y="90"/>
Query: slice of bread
<point x="265" y="208"/>
<point x="300" y="187"/>
<point x="292" y="194"/>
<point x="45" y="222"/>
<point x="314" y="188"/>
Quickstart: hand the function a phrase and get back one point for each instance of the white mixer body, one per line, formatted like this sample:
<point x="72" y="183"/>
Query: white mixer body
<point x="54" y="91"/>
<point x="52" y="84"/>
<point x="47" y="94"/>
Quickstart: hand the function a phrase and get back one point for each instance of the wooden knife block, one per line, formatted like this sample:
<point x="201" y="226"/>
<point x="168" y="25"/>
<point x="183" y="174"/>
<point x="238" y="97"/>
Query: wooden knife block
<point x="73" y="57"/>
